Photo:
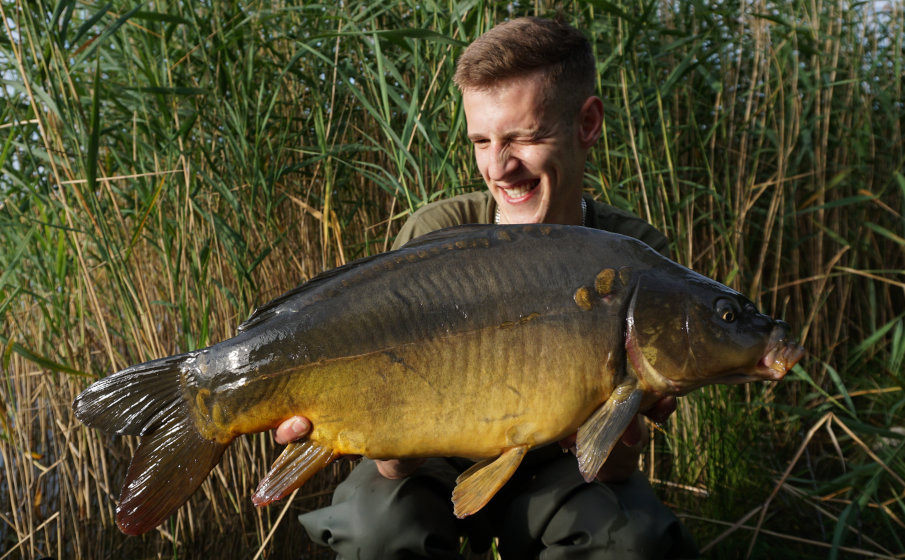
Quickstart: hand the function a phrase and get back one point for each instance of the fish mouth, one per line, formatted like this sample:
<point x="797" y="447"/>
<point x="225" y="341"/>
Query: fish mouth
<point x="780" y="356"/>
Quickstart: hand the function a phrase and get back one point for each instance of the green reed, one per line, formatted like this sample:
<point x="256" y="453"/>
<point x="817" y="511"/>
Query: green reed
<point x="169" y="167"/>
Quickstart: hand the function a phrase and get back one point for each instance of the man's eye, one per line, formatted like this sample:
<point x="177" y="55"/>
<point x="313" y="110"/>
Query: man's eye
<point x="529" y="140"/>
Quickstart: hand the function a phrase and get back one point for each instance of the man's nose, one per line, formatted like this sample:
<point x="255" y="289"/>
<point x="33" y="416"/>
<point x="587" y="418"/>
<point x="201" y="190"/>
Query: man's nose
<point x="501" y="162"/>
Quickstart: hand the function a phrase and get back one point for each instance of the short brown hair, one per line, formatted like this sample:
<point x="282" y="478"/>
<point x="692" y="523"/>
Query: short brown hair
<point x="526" y="45"/>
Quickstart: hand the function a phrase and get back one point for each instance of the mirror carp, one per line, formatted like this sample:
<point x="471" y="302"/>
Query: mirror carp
<point x="477" y="341"/>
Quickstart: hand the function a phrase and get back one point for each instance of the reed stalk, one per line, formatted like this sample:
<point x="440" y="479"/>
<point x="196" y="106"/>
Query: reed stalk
<point x="167" y="168"/>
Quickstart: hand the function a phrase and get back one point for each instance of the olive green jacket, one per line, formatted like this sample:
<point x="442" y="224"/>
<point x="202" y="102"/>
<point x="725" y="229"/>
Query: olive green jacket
<point x="480" y="208"/>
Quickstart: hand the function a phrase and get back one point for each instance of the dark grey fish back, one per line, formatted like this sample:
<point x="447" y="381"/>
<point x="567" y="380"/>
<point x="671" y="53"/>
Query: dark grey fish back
<point x="459" y="279"/>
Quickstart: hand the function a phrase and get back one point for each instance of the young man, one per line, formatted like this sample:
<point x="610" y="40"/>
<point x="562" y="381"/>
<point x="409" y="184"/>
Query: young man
<point x="528" y="92"/>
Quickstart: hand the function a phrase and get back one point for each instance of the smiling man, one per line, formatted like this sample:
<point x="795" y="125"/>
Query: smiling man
<point x="529" y="156"/>
<point x="528" y="93"/>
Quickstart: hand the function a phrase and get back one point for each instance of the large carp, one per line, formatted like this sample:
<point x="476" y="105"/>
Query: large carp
<point x="475" y="341"/>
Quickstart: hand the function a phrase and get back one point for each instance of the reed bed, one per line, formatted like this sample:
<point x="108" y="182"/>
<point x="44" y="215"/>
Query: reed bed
<point x="170" y="166"/>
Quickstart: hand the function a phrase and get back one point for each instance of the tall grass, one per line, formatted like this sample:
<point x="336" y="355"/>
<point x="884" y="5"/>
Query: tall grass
<point x="167" y="168"/>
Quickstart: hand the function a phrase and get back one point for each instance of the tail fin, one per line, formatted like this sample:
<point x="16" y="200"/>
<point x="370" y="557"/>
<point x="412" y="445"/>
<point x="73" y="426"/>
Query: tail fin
<point x="172" y="460"/>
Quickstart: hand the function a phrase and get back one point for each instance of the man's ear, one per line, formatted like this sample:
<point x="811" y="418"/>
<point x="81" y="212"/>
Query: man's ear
<point x="590" y="121"/>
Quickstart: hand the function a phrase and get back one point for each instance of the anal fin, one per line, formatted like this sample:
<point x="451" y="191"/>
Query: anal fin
<point x="602" y="430"/>
<point x="478" y="484"/>
<point x="294" y="467"/>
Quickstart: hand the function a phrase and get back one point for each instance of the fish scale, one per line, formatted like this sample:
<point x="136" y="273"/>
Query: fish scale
<point x="476" y="341"/>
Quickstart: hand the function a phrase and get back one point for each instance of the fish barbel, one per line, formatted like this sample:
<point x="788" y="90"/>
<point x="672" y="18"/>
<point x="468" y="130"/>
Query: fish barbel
<point x="476" y="341"/>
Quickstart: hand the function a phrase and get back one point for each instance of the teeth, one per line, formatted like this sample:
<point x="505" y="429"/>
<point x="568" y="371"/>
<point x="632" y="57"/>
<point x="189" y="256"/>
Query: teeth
<point x="520" y="190"/>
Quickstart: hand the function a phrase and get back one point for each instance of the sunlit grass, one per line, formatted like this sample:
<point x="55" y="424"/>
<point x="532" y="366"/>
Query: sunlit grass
<point x="168" y="168"/>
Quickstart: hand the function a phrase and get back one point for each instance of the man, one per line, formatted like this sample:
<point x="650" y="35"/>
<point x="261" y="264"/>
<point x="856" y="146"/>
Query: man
<point x="528" y="93"/>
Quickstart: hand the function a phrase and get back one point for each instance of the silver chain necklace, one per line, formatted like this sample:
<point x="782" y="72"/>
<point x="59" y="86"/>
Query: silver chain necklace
<point x="584" y="212"/>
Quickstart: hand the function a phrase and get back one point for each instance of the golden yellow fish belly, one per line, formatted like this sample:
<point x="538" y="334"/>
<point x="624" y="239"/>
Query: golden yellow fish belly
<point x="472" y="394"/>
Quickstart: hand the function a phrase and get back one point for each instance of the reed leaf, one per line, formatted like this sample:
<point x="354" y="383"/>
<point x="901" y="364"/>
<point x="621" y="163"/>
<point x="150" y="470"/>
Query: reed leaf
<point x="168" y="167"/>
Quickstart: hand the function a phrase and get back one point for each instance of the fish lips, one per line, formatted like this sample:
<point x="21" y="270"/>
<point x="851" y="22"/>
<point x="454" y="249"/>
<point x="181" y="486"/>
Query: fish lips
<point x="781" y="354"/>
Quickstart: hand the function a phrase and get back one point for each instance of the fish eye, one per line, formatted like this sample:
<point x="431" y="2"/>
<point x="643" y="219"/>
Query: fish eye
<point x="726" y="310"/>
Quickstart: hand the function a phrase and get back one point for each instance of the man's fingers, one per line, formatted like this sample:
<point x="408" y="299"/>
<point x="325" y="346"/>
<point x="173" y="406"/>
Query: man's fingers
<point x="632" y="434"/>
<point x="291" y="430"/>
<point x="398" y="468"/>
<point x="568" y="443"/>
<point x="661" y="410"/>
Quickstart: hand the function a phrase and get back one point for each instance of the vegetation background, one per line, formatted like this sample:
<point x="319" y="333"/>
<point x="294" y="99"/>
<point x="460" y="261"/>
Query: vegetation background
<point x="168" y="166"/>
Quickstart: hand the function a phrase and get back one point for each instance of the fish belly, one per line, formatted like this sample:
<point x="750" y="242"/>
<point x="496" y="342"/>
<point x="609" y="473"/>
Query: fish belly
<point x="471" y="394"/>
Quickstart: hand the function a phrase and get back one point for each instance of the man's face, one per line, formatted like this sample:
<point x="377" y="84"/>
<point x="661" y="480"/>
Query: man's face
<point x="530" y="154"/>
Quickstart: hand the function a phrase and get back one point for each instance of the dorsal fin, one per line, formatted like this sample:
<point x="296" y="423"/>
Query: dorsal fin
<point x="268" y="310"/>
<point x="271" y="308"/>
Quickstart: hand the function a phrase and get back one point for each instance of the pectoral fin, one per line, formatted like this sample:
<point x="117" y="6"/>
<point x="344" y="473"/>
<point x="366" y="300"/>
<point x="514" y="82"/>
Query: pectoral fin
<point x="600" y="432"/>
<point x="298" y="463"/>
<point x="477" y="485"/>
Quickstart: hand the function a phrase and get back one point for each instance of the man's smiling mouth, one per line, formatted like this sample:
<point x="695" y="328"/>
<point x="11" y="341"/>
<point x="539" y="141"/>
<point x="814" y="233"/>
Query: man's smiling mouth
<point x="520" y="189"/>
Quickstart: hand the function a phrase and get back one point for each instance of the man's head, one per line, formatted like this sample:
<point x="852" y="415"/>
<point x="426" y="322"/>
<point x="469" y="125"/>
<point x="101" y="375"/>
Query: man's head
<point x="528" y="94"/>
<point x="555" y="50"/>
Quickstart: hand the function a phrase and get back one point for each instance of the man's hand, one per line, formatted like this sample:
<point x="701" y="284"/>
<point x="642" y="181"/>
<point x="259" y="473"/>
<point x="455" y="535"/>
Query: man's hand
<point x="298" y="427"/>
<point x="397" y="468"/>
<point x="661" y="410"/>
<point x="623" y="459"/>
<point x="295" y="428"/>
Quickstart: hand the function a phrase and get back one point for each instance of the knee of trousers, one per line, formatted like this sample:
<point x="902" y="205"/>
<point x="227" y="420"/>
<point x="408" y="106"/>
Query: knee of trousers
<point x="373" y="517"/>
<point x="559" y="516"/>
<point x="637" y="526"/>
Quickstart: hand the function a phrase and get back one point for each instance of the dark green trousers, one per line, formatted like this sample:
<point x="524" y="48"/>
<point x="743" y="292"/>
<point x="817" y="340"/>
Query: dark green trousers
<point x="545" y="511"/>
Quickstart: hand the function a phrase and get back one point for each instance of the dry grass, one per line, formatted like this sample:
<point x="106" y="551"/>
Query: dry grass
<point x="168" y="169"/>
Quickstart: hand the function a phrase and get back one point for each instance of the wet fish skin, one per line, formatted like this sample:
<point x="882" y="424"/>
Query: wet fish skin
<point x="449" y="346"/>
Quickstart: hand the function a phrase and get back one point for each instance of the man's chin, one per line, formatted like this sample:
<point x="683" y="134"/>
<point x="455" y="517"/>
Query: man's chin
<point x="525" y="210"/>
<point x="522" y="216"/>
